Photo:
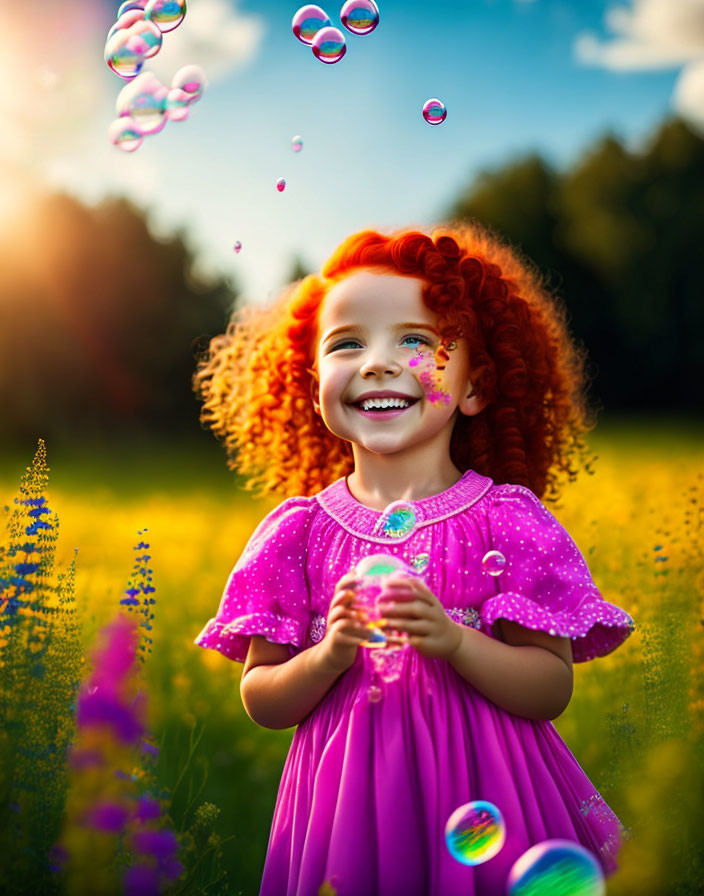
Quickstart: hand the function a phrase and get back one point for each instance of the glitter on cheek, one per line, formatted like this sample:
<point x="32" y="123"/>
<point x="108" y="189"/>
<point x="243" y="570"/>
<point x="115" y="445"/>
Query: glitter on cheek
<point x="430" y="376"/>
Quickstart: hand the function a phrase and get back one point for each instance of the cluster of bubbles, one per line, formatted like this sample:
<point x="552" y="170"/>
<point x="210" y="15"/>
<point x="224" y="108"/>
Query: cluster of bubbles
<point x="145" y="104"/>
<point x="313" y="27"/>
<point x="137" y="33"/>
<point x="476" y="832"/>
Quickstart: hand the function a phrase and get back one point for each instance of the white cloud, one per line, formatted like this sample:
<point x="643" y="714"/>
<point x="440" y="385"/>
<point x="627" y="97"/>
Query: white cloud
<point x="654" y="34"/>
<point x="649" y="34"/>
<point x="689" y="93"/>
<point x="215" y="36"/>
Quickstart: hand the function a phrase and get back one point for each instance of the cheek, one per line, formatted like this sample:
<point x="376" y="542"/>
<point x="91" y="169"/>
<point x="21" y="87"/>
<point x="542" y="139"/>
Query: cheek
<point x="428" y="368"/>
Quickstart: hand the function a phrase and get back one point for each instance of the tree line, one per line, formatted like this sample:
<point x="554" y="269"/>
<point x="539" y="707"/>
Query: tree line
<point x="101" y="321"/>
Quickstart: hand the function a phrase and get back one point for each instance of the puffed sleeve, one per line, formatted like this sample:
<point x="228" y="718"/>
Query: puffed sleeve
<point x="267" y="592"/>
<point x="546" y="583"/>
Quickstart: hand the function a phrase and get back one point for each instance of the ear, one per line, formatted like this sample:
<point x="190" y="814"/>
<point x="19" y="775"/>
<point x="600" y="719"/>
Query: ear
<point x="314" y="384"/>
<point x="470" y="403"/>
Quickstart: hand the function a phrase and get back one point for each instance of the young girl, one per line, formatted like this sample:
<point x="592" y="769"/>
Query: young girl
<point x="436" y="372"/>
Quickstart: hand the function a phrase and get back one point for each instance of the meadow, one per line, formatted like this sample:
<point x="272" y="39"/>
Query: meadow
<point x="636" y="719"/>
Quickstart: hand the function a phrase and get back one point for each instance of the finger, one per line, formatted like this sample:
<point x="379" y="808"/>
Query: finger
<point x="405" y="609"/>
<point x="410" y="626"/>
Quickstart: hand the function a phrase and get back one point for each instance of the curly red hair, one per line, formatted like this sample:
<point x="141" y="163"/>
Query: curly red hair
<point x="256" y="378"/>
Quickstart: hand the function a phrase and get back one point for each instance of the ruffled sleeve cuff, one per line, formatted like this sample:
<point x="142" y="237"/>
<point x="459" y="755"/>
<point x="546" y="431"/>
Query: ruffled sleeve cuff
<point x="595" y="626"/>
<point x="232" y="639"/>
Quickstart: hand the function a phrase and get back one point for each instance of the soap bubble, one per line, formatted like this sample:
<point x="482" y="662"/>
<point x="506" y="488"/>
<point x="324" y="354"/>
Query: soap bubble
<point x="191" y="79"/>
<point x="166" y="14"/>
<point x="123" y="132"/>
<point x="125" y="20"/>
<point x="129" y="5"/>
<point x="388" y="663"/>
<point x="308" y="21"/>
<point x="373" y="572"/>
<point x="434" y="111"/>
<point x="281" y="185"/>
<point x="144" y="101"/>
<point x="397" y="520"/>
<point x="297" y="144"/>
<point x="558" y="867"/>
<point x="493" y="563"/>
<point x="237" y="247"/>
<point x="360" y="16"/>
<point x="329" y="45"/>
<point x="420" y="562"/>
<point x="475" y="832"/>
<point x="127" y="48"/>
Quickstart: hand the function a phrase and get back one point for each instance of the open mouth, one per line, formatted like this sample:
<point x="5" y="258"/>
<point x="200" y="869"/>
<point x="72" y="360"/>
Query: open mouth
<point x="384" y="407"/>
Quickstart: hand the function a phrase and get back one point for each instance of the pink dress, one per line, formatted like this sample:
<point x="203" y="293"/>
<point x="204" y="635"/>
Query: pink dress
<point x="369" y="784"/>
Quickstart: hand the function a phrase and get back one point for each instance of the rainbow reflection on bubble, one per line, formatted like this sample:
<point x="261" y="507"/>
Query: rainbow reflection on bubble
<point x="123" y="132"/>
<point x="329" y="45"/>
<point x="493" y="563"/>
<point x="127" y="48"/>
<point x="281" y="184"/>
<point x="557" y="867"/>
<point x="237" y="247"/>
<point x="434" y="111"/>
<point x="360" y="16"/>
<point x="308" y="21"/>
<point x="397" y="520"/>
<point x="297" y="144"/>
<point x="144" y="101"/>
<point x="475" y="832"/>
<point x="166" y="14"/>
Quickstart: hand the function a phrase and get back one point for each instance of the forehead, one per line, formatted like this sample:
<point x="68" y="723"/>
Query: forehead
<point x="372" y="296"/>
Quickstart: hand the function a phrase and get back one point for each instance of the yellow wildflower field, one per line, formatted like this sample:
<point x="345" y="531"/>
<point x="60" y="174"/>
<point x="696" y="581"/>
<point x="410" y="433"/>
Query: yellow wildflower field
<point x="636" y="719"/>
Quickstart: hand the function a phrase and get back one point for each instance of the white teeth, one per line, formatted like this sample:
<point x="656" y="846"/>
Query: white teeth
<point x="370" y="403"/>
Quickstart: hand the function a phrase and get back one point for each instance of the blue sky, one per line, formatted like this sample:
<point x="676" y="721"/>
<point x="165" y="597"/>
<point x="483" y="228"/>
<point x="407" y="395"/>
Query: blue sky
<point x="507" y="70"/>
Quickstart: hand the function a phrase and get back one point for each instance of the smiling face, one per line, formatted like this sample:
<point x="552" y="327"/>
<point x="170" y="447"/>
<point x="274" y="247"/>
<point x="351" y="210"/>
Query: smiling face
<point x="386" y="383"/>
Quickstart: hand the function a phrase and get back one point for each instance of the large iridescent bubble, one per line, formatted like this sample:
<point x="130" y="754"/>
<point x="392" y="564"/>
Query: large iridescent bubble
<point x="434" y="111"/>
<point x="123" y="132"/>
<point x="475" y="832"/>
<point x="556" y="867"/>
<point x="144" y="101"/>
<point x="166" y="14"/>
<point x="360" y="16"/>
<point x="308" y="21"/>
<point x="329" y="45"/>
<point x="373" y="572"/>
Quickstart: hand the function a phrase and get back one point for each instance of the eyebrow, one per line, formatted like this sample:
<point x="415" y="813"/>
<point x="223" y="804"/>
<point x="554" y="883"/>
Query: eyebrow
<point x="355" y="328"/>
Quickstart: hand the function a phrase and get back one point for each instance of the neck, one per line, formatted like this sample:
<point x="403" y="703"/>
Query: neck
<point x="379" y="479"/>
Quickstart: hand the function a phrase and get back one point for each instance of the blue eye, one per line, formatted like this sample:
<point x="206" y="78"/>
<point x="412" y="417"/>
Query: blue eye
<point x="419" y="340"/>
<point x="346" y="344"/>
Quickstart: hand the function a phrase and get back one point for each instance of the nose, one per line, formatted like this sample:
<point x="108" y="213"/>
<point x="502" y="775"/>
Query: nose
<point x="380" y="364"/>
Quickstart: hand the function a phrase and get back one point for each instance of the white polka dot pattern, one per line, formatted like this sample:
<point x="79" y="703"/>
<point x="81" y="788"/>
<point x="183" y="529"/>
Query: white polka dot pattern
<point x="283" y="583"/>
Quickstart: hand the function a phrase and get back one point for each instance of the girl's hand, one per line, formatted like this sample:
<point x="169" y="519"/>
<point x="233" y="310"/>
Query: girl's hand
<point x="412" y="609"/>
<point x="344" y="630"/>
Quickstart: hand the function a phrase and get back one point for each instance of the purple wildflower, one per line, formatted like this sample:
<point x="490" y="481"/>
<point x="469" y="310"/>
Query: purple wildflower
<point x="148" y="808"/>
<point x="109" y="817"/>
<point x="141" y="880"/>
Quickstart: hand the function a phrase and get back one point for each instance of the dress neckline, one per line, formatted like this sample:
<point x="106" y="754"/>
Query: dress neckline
<point x="358" y="519"/>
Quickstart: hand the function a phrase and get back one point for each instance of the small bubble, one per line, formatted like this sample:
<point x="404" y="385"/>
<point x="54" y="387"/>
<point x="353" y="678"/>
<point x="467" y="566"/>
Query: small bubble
<point x="434" y="111"/>
<point x="237" y="247"/>
<point x="297" y="144"/>
<point x="308" y="21"/>
<point x="329" y="45"/>
<point x="493" y="563"/>
<point x="360" y="16"/>
<point x="281" y="185"/>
